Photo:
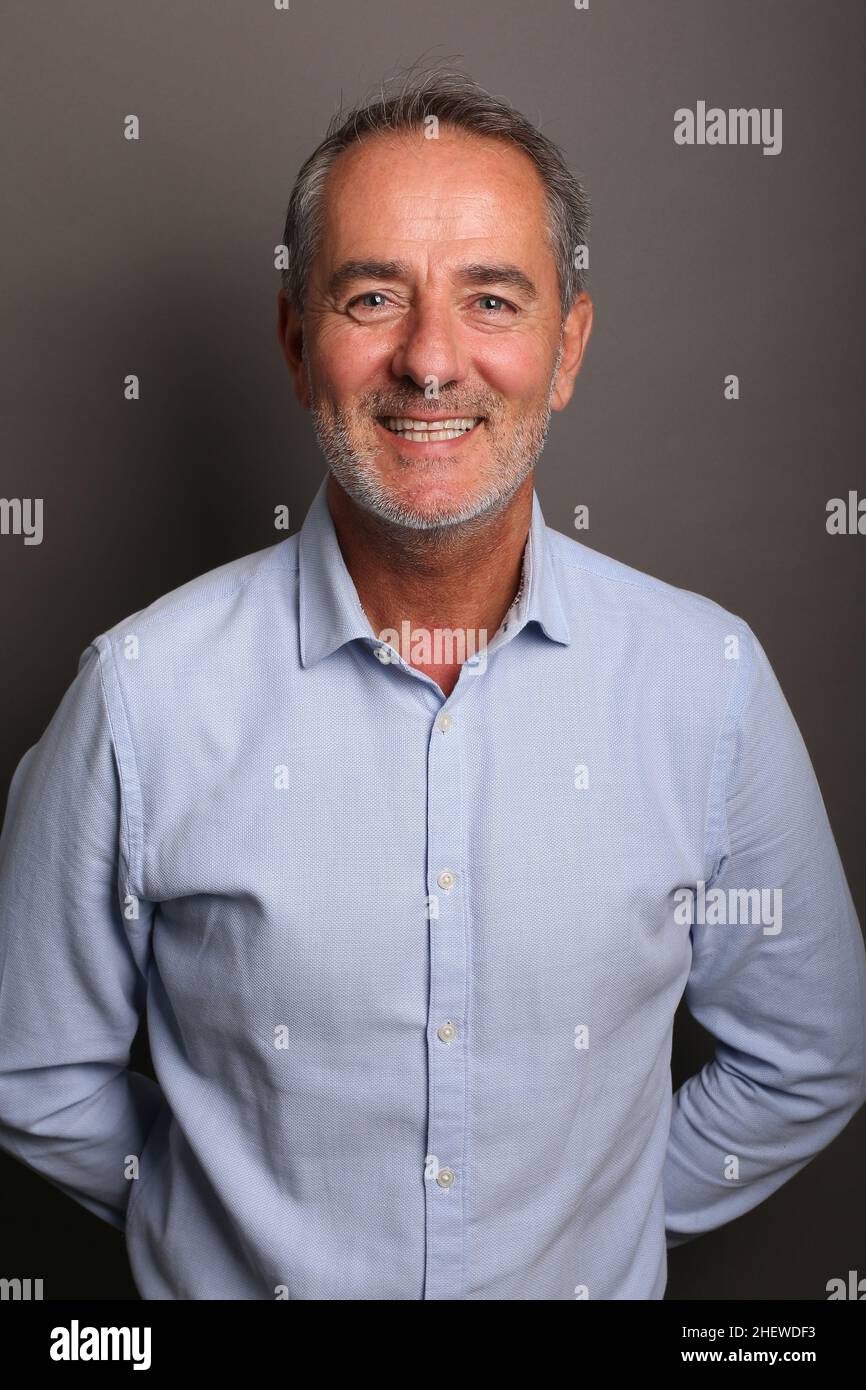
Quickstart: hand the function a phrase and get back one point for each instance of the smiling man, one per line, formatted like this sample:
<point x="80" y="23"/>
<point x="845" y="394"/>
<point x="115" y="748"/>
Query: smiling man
<point x="437" y="324"/>
<point x="412" y="922"/>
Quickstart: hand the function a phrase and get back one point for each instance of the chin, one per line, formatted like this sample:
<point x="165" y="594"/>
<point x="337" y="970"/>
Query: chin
<point x="417" y="509"/>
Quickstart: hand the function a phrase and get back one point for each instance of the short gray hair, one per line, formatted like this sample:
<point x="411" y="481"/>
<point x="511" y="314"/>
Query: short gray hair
<point x="458" y="101"/>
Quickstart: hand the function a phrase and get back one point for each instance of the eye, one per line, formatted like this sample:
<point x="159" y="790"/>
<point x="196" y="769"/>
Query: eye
<point x="357" y="302"/>
<point x="495" y="299"/>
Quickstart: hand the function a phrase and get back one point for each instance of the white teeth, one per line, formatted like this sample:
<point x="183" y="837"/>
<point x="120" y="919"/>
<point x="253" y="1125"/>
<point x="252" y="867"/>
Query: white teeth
<point x="424" y="431"/>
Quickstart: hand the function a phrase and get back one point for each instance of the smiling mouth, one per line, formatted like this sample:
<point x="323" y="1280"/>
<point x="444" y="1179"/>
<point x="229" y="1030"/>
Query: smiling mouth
<point x="430" y="431"/>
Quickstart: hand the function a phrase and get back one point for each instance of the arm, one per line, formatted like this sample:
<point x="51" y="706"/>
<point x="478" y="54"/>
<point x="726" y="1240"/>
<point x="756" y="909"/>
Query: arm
<point x="786" y="1006"/>
<point x="71" y="981"/>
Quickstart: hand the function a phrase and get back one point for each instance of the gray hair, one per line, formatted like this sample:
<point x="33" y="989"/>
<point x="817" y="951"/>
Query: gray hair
<point x="458" y="101"/>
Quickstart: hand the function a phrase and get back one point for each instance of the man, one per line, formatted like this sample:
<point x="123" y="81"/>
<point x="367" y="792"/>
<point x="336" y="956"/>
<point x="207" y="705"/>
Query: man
<point x="413" y="906"/>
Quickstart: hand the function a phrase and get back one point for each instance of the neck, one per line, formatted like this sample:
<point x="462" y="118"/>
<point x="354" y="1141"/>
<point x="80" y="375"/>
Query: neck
<point x="463" y="577"/>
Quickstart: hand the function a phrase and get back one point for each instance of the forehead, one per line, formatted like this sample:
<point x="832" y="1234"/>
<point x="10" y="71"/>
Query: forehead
<point x="455" y="189"/>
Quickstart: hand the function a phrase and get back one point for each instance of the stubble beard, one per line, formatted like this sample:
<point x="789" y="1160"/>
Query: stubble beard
<point x="353" y="463"/>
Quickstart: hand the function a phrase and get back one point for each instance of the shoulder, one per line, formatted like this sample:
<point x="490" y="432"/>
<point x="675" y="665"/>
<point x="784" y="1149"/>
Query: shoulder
<point x="598" y="589"/>
<point x="222" y="604"/>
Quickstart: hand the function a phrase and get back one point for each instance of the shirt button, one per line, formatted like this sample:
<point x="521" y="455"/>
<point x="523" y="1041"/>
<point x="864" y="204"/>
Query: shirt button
<point x="445" y="1177"/>
<point x="446" y="880"/>
<point x="447" y="1032"/>
<point x="444" y="722"/>
<point x="383" y="653"/>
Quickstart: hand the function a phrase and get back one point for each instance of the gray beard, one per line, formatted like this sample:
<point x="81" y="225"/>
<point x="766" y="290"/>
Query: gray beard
<point x="353" y="467"/>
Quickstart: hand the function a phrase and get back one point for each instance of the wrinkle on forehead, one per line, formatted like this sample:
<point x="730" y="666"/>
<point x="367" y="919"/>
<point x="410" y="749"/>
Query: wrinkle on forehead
<point x="469" y="199"/>
<point x="395" y="218"/>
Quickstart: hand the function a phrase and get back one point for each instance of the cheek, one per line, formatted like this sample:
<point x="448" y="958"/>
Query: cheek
<point x="516" y="369"/>
<point x="348" y="364"/>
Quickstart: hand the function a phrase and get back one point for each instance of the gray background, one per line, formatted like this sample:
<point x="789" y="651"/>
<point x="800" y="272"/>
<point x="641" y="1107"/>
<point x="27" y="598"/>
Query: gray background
<point x="156" y="257"/>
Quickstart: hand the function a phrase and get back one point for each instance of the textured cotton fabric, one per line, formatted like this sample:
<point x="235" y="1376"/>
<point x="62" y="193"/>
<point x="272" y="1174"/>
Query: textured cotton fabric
<point x="410" y="987"/>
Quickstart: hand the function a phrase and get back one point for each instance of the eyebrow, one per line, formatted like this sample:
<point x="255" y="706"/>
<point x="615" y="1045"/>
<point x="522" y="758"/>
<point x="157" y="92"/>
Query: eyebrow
<point x="476" y="273"/>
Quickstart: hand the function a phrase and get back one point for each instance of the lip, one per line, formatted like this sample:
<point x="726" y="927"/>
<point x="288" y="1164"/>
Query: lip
<point x="413" y="446"/>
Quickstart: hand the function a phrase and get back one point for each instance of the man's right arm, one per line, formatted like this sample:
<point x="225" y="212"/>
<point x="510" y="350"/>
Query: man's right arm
<point x="71" y="988"/>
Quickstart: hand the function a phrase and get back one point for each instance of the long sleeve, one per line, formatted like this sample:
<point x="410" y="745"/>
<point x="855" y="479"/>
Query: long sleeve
<point x="784" y="998"/>
<point x="71" y="989"/>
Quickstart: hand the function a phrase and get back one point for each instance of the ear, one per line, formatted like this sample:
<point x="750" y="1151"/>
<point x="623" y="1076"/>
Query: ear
<point x="290" y="334"/>
<point x="575" y="336"/>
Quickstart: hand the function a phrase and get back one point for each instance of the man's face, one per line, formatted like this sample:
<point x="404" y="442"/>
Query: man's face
<point x="434" y="297"/>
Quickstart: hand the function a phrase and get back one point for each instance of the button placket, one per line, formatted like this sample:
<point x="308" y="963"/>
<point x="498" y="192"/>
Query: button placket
<point x="446" y="1030"/>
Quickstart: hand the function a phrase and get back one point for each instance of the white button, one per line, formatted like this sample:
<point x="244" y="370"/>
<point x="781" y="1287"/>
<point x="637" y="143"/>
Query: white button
<point x="384" y="654"/>
<point x="446" y="880"/>
<point x="446" y="1032"/>
<point x="444" y="722"/>
<point x="445" y="1177"/>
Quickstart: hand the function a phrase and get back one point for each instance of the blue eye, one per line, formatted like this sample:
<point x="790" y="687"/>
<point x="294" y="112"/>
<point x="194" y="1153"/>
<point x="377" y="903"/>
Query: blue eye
<point x="496" y="300"/>
<point x="365" y="301"/>
<point x="368" y="294"/>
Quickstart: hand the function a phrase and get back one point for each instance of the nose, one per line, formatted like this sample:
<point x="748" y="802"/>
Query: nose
<point x="428" y="349"/>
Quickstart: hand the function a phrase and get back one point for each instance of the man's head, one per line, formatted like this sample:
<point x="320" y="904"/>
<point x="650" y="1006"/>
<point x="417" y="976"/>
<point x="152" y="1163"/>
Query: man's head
<point x="434" y="274"/>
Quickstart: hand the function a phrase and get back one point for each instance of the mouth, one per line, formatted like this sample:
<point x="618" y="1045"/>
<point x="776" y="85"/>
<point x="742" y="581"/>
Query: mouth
<point x="442" y="431"/>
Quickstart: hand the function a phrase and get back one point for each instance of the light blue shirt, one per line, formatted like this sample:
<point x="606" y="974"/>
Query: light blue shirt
<point x="411" y="980"/>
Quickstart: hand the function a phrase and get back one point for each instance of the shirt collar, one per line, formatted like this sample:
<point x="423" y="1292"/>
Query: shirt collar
<point x="331" y="613"/>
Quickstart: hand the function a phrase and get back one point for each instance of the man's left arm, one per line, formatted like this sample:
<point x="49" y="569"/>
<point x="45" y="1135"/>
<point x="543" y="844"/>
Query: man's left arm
<point x="784" y="997"/>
